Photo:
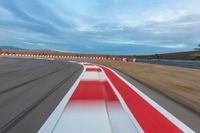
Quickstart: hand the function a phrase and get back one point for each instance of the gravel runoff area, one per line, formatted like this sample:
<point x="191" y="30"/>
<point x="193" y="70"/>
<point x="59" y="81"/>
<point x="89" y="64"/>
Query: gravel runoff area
<point x="180" y="84"/>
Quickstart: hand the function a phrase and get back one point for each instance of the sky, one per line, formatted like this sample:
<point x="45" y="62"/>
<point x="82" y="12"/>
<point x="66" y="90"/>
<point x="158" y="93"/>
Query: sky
<point x="101" y="26"/>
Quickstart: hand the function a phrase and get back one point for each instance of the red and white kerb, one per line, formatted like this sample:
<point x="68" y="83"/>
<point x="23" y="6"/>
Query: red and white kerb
<point x="101" y="101"/>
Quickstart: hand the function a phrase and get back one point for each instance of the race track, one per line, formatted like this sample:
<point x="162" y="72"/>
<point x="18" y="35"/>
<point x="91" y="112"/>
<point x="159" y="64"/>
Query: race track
<point x="57" y="96"/>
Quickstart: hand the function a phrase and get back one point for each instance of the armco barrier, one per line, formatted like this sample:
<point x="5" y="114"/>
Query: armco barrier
<point x="179" y="63"/>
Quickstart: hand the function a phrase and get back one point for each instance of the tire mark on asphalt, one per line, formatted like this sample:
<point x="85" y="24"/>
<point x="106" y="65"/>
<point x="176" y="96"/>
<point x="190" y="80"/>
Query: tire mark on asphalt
<point x="19" y="69"/>
<point x="35" y="79"/>
<point x="3" y="103"/>
<point x="21" y="115"/>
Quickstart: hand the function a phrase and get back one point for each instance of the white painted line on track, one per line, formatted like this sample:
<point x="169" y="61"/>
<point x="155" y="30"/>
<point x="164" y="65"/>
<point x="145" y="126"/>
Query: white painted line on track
<point x="163" y="111"/>
<point x="50" y="123"/>
<point x="119" y="119"/>
<point x="125" y="107"/>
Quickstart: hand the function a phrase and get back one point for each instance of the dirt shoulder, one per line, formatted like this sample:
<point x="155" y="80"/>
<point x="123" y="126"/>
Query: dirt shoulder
<point x="180" y="84"/>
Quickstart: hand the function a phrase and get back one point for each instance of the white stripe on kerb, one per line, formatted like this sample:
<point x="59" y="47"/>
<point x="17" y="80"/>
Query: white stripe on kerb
<point x="90" y="76"/>
<point x="102" y="77"/>
<point x="164" y="112"/>
<point x="125" y="107"/>
<point x="84" y="117"/>
<point x="91" y="66"/>
<point x="119" y="119"/>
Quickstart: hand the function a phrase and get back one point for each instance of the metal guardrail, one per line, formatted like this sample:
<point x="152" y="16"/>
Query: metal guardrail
<point x="179" y="63"/>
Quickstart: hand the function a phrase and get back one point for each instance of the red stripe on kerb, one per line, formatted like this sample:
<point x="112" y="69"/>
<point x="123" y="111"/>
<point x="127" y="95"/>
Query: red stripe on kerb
<point x="151" y="120"/>
<point x="110" y="95"/>
<point x="94" y="90"/>
<point x="88" y="90"/>
<point x="93" y="70"/>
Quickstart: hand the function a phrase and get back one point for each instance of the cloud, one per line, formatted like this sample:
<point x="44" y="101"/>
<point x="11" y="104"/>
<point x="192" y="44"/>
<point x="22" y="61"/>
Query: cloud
<point x="34" y="43"/>
<point x="149" y="43"/>
<point x="139" y="26"/>
<point x="174" y="46"/>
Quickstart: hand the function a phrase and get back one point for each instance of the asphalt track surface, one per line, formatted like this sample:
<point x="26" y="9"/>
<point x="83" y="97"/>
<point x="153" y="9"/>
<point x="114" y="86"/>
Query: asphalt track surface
<point x="30" y="89"/>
